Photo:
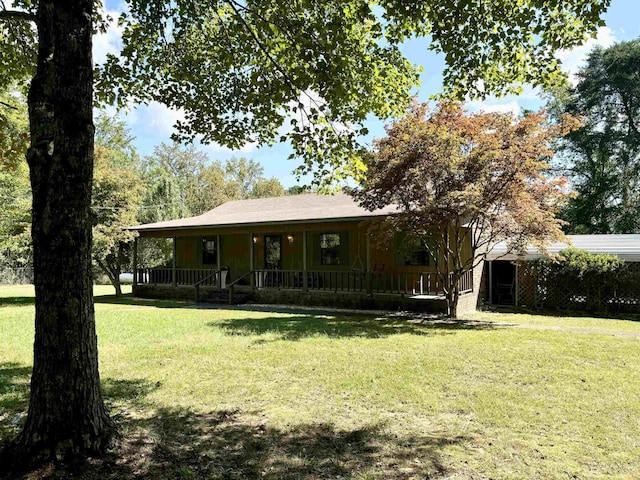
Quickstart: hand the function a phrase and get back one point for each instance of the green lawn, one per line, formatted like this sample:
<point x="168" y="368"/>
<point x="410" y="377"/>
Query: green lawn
<point x="235" y="394"/>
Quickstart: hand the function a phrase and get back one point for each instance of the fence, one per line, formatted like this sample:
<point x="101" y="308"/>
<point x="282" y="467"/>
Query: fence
<point x="543" y="285"/>
<point x="16" y="275"/>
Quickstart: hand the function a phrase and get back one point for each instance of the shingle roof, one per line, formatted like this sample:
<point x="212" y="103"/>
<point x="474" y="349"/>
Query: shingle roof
<point x="627" y="247"/>
<point x="292" y="208"/>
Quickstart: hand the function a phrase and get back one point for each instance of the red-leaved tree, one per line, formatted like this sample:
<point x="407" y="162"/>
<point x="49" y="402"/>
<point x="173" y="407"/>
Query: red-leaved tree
<point x="464" y="182"/>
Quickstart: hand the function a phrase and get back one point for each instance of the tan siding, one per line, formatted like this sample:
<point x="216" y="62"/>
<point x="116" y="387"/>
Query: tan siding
<point x="188" y="253"/>
<point x="235" y="248"/>
<point x="235" y="253"/>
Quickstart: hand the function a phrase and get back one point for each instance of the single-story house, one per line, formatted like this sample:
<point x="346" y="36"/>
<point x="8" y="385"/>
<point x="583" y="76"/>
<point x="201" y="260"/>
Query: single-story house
<point x="309" y="248"/>
<point x="507" y="275"/>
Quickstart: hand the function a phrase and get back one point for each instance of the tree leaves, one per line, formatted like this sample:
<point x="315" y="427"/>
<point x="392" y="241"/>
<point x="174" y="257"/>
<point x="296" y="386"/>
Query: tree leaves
<point x="466" y="182"/>
<point x="603" y="157"/>
<point x="245" y="71"/>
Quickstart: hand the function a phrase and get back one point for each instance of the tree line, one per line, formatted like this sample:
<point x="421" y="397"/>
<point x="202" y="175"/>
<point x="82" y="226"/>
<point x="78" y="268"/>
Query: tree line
<point x="176" y="181"/>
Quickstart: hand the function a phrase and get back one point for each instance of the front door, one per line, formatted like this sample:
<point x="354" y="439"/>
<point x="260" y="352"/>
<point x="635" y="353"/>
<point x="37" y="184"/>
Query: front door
<point x="273" y="252"/>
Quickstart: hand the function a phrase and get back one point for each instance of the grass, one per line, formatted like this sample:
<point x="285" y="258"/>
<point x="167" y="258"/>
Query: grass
<point x="240" y="393"/>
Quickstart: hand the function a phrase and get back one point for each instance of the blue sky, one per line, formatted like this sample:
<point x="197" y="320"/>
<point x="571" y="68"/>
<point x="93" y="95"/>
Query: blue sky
<point x="152" y="125"/>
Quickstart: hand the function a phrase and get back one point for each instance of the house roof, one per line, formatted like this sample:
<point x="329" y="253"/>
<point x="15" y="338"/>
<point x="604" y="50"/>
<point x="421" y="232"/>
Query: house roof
<point x="287" y="209"/>
<point x="626" y="247"/>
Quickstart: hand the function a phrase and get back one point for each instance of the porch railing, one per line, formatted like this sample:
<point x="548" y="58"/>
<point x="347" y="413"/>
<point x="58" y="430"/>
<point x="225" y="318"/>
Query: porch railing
<point x="183" y="276"/>
<point x="427" y="283"/>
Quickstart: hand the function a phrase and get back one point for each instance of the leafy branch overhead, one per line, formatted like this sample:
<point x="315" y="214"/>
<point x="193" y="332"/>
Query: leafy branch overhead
<point x="311" y="72"/>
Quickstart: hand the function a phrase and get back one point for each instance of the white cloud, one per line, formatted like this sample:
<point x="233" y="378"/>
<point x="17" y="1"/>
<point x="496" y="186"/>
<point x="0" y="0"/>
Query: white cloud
<point x="572" y="60"/>
<point x="495" y="106"/>
<point x="109" y="41"/>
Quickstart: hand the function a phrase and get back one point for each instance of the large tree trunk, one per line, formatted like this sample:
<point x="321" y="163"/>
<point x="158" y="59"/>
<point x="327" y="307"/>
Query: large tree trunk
<point x="66" y="411"/>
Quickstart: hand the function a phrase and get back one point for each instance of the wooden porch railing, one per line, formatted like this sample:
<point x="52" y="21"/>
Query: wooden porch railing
<point x="427" y="283"/>
<point x="183" y="276"/>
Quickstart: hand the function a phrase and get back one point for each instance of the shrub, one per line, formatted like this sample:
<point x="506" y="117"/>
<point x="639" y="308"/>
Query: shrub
<point x="577" y="279"/>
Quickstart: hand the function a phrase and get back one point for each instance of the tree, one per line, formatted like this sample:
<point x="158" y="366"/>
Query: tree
<point x="15" y="220"/>
<point x="171" y="174"/>
<point x="117" y="194"/>
<point x="267" y="188"/>
<point x="14" y="127"/>
<point x="66" y="411"/>
<point x="465" y="181"/>
<point x="239" y="70"/>
<point x="15" y="215"/>
<point x="603" y="156"/>
<point x="245" y="179"/>
<point x="243" y="174"/>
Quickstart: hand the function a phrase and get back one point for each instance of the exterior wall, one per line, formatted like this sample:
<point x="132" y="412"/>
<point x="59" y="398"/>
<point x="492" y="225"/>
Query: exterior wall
<point x="236" y="243"/>
<point x="234" y="253"/>
<point x="470" y="302"/>
<point x="189" y="252"/>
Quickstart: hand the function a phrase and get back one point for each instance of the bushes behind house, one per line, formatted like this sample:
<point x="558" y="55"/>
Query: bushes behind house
<point x="579" y="280"/>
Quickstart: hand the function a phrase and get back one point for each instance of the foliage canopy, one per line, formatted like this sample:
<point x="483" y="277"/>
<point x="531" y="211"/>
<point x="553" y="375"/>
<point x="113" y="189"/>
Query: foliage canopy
<point x="312" y="72"/>
<point x="466" y="182"/>
<point x="603" y="156"/>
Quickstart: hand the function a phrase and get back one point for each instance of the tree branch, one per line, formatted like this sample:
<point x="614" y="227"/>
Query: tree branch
<point x="17" y="15"/>
<point x="9" y="105"/>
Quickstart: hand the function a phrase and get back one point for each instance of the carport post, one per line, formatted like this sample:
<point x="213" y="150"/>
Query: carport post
<point x="135" y="261"/>
<point x="173" y="264"/>
<point x="305" y="280"/>
<point x="516" y="293"/>
<point x="490" y="286"/>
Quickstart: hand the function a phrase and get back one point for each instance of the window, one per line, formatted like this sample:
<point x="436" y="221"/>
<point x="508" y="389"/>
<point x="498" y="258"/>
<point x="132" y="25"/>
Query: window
<point x="209" y="251"/>
<point x="417" y="257"/>
<point x="411" y="251"/>
<point x="329" y="249"/>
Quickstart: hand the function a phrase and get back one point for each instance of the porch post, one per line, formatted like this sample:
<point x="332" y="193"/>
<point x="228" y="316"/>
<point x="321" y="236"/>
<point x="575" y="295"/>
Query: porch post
<point x="218" y="277"/>
<point x="515" y="293"/>
<point x="490" y="286"/>
<point x="369" y="278"/>
<point x="135" y="262"/>
<point x="305" y="280"/>
<point x="218" y="254"/>
<point x="173" y="264"/>
<point x="252" y="279"/>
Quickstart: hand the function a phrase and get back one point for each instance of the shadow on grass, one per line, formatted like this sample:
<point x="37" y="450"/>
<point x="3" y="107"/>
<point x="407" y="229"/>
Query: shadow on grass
<point x="128" y="299"/>
<point x="303" y="326"/>
<point x="179" y="443"/>
<point x="132" y="391"/>
<point x="14" y="398"/>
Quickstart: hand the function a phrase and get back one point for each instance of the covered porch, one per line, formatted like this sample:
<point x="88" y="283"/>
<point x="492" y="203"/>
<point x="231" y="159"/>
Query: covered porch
<point x="338" y="259"/>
